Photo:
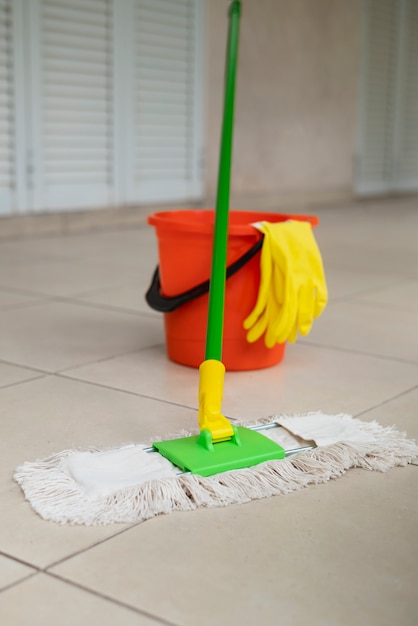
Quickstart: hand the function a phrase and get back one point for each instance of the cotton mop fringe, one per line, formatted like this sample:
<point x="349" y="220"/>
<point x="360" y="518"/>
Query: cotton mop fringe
<point x="56" y="496"/>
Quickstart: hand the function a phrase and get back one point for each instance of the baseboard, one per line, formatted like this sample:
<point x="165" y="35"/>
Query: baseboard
<point x="69" y="222"/>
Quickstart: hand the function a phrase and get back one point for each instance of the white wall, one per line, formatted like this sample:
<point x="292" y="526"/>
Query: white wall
<point x="297" y="95"/>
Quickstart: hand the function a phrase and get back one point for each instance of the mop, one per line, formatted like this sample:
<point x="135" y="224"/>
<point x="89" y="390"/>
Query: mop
<point x="224" y="463"/>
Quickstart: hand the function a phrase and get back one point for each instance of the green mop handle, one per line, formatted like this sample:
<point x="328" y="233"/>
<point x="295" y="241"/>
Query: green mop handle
<point x="216" y="305"/>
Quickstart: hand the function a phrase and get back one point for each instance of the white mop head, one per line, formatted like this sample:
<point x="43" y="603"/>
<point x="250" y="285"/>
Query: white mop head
<point x="129" y="485"/>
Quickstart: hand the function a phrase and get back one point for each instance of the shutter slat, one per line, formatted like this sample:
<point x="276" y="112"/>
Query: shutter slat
<point x="77" y="55"/>
<point x="77" y="81"/>
<point x="73" y="66"/>
<point x="6" y="103"/>
<point x="160" y="88"/>
<point x="162" y="108"/>
<point x="73" y="92"/>
<point x="164" y="41"/>
<point x="76" y="42"/>
<point x="84" y="5"/>
<point x="158" y="27"/>
<point x="164" y="89"/>
<point x="72" y="166"/>
<point x="179" y="122"/>
<point x="168" y="175"/>
<point x="70" y="153"/>
<point x="92" y="31"/>
<point x="75" y="179"/>
<point x="152" y="96"/>
<point x="89" y="82"/>
<point x="380" y="82"/>
<point x="64" y="129"/>
<point x="408" y="157"/>
<point x="76" y="14"/>
<point x="70" y="144"/>
<point x="77" y="117"/>
<point x="159" y="63"/>
<point x="76" y="104"/>
<point x="145" y="49"/>
<point x="159" y="19"/>
<point x="174" y="7"/>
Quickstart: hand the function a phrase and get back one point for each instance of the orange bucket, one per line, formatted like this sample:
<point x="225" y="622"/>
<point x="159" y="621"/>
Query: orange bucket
<point x="185" y="255"/>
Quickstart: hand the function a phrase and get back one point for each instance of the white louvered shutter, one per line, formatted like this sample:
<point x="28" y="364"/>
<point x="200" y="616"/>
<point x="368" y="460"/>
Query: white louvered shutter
<point x="73" y="108"/>
<point x="6" y="109"/>
<point x="165" y="157"/>
<point x="375" y="164"/>
<point x="407" y="158"/>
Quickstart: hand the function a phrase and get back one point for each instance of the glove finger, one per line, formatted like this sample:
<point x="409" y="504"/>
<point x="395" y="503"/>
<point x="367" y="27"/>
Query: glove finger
<point x="293" y="334"/>
<point x="288" y="314"/>
<point x="274" y="309"/>
<point x="321" y="298"/>
<point x="258" y="328"/>
<point x="306" y="307"/>
<point x="265" y="285"/>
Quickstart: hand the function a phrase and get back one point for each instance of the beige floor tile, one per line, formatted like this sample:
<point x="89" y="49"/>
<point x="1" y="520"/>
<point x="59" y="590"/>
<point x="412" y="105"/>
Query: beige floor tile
<point x="128" y="297"/>
<point x="11" y="571"/>
<point x="368" y="328"/>
<point x="13" y="299"/>
<point x="44" y="600"/>
<point x="312" y="379"/>
<point x="403" y="297"/>
<point x="65" y="278"/>
<point x="346" y="283"/>
<point x="11" y="374"/>
<point x="53" y="414"/>
<point x="342" y="553"/>
<point x="149" y="373"/>
<point x="24" y="535"/>
<point x="379" y="239"/>
<point x="56" y="335"/>
<point x="380" y="257"/>
<point x="65" y="266"/>
<point x="309" y="378"/>
<point x="112" y="244"/>
<point x="370" y="225"/>
<point x="400" y="412"/>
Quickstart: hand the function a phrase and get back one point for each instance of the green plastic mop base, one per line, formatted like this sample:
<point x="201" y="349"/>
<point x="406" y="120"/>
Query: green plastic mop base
<point x="191" y="455"/>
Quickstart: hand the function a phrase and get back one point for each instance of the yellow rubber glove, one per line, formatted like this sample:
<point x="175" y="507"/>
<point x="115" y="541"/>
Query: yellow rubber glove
<point x="293" y="289"/>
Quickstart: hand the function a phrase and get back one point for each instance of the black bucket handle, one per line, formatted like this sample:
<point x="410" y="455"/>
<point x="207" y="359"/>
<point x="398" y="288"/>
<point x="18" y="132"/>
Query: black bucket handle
<point x="167" y="304"/>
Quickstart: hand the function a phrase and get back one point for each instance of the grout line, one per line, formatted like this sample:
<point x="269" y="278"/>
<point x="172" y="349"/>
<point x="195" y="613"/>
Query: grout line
<point x="75" y="300"/>
<point x="382" y="357"/>
<point x="37" y="571"/>
<point x="67" y="233"/>
<point x="22" y="382"/>
<point x="19" y="582"/>
<point x="43" y="298"/>
<point x="139" y="395"/>
<point x="358" y="294"/>
<point x="108" y="598"/>
<point x="40" y="570"/>
<point x="90" y="547"/>
<point x="21" y="561"/>
<point x="132" y="393"/>
<point x="25" y="367"/>
<point x="387" y="401"/>
<point x="26" y="292"/>
<point x="22" y="305"/>
<point x="104" y="359"/>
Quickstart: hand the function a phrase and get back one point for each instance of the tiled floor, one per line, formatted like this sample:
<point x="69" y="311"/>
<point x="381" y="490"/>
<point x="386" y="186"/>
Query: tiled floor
<point x="82" y="362"/>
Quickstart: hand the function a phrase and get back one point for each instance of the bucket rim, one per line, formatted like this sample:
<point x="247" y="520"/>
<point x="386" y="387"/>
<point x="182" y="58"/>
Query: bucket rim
<point x="177" y="220"/>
